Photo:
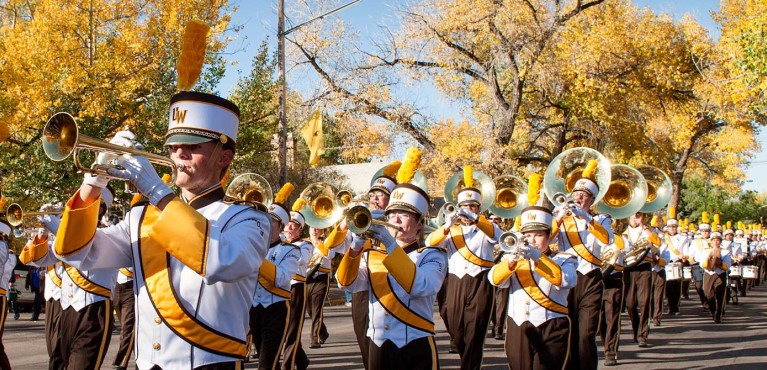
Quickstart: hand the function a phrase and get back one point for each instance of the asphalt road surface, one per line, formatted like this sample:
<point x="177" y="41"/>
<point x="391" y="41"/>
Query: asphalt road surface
<point x="689" y="341"/>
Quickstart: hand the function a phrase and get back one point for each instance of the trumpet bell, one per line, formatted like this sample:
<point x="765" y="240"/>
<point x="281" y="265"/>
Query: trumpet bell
<point x="566" y="169"/>
<point x="344" y="198"/>
<point x="482" y="182"/>
<point x="508" y="241"/>
<point x="658" y="188"/>
<point x="510" y="196"/>
<point x="322" y="207"/>
<point x="359" y="219"/>
<point x="447" y="209"/>
<point x="626" y="194"/>
<point x="250" y="187"/>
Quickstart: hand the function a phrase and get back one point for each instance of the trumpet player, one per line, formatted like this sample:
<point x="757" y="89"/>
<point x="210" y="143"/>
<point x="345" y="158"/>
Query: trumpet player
<point x="677" y="245"/>
<point x="403" y="278"/>
<point x="715" y="262"/>
<point x="469" y="239"/>
<point x="539" y="282"/>
<point x="318" y="280"/>
<point x="584" y="234"/>
<point x="638" y="293"/>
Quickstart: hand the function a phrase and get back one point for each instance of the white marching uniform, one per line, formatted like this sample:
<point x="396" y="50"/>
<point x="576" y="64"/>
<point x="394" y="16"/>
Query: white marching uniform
<point x="276" y="274"/>
<point x="469" y="248"/>
<point x="194" y="264"/>
<point x="725" y="254"/>
<point x="403" y="287"/>
<point x="677" y="245"/>
<point x="584" y="239"/>
<point x="7" y="263"/>
<point x="306" y="249"/>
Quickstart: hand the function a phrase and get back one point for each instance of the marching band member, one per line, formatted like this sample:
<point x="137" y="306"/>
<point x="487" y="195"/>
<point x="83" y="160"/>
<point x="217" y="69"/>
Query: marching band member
<point x="676" y="244"/>
<point x="271" y="307"/>
<point x="612" y="298"/>
<point x="318" y="281"/>
<point x="85" y="324"/>
<point x="740" y="255"/>
<point x="293" y="356"/>
<point x="195" y="258"/>
<point x="403" y="279"/>
<point x="658" y="275"/>
<point x="501" y="295"/>
<point x="697" y="248"/>
<point x="585" y="234"/>
<point x="715" y="262"/>
<point x="469" y="239"/>
<point x="539" y="282"/>
<point x="638" y="298"/>
<point x="6" y="270"/>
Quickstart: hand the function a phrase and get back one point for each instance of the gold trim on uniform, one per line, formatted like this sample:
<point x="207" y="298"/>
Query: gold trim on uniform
<point x="180" y="242"/>
<point x="549" y="270"/>
<point x="154" y="264"/>
<point x="87" y="285"/>
<point x="104" y="336"/>
<point x="266" y="276"/>
<point x="526" y="279"/>
<point x="381" y="288"/>
<point x="460" y="245"/>
<point x="55" y="278"/>
<point x="126" y="272"/>
<point x="401" y="268"/>
<point x="486" y="226"/>
<point x="77" y="228"/>
<point x="571" y="228"/>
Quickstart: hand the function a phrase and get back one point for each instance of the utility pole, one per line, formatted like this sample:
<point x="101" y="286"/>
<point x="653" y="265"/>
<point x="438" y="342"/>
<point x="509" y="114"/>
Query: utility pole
<point x="282" y="133"/>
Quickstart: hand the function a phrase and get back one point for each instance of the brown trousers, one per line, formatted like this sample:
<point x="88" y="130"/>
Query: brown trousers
<point x="500" y="310"/>
<point x="638" y="300"/>
<point x="419" y="354"/>
<point x="658" y="291"/>
<point x="84" y="335"/>
<point x="543" y="347"/>
<point x="584" y="303"/>
<point x="316" y="294"/>
<point x="4" y="363"/>
<point x="293" y="356"/>
<point x="267" y="328"/>
<point x="469" y="304"/>
<point x="233" y="365"/>
<point x="123" y="301"/>
<point x="52" y="319"/>
<point x="360" y="301"/>
<point x="610" y="320"/>
<point x="674" y="294"/>
<point x="715" y="287"/>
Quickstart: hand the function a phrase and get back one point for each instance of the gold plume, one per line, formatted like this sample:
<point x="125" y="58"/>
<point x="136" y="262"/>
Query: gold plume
<point x="590" y="169"/>
<point x="517" y="223"/>
<point x="391" y="169"/>
<point x="716" y="218"/>
<point x="284" y="193"/>
<point x="691" y="226"/>
<point x="671" y="212"/>
<point x="166" y="178"/>
<point x="193" y="45"/>
<point x="3" y="201"/>
<point x="729" y="224"/>
<point x="534" y="188"/>
<point x="654" y="221"/>
<point x="704" y="218"/>
<point x="468" y="176"/>
<point x="409" y="165"/>
<point x="298" y="204"/>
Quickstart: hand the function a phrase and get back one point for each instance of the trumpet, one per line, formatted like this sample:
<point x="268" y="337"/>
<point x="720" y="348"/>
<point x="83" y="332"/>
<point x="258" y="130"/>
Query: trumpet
<point x="62" y="138"/>
<point x="359" y="219"/>
<point x="564" y="202"/>
<point x="16" y="214"/>
<point x="511" y="244"/>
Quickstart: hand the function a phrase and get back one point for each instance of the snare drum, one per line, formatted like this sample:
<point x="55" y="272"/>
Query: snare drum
<point x="750" y="272"/>
<point x="735" y="272"/>
<point x="673" y="271"/>
<point x="687" y="273"/>
<point x="697" y="273"/>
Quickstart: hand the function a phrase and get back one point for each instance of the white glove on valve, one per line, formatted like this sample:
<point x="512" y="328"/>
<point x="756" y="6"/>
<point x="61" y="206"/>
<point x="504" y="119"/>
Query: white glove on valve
<point x="139" y="171"/>
<point x="582" y="213"/>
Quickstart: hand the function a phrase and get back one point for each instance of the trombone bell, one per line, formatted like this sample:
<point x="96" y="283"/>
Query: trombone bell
<point x="15" y="214"/>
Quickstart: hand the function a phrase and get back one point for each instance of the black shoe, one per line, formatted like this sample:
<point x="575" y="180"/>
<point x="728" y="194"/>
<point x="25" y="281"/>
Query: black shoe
<point x="499" y="337"/>
<point x="315" y="345"/>
<point x="675" y="313"/>
<point x="452" y="350"/>
<point x="643" y="343"/>
<point x="610" y="362"/>
<point x="323" y="339"/>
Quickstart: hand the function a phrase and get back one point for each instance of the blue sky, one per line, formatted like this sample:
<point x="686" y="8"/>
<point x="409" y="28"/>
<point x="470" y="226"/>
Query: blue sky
<point x="259" y="20"/>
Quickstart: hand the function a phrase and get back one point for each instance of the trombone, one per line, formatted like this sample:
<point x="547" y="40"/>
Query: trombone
<point x="62" y="138"/>
<point x="16" y="214"/>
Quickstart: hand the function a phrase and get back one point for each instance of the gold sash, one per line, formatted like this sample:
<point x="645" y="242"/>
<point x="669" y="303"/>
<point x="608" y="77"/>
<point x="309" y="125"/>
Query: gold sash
<point x="53" y="276"/>
<point x="574" y="237"/>
<point x="527" y="281"/>
<point x="460" y="245"/>
<point x="86" y="284"/>
<point x="381" y="288"/>
<point x="154" y="264"/>
<point x="126" y="272"/>
<point x="671" y="246"/>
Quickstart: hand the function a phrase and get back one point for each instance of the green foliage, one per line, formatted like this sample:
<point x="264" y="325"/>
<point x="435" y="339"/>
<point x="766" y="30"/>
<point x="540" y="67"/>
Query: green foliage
<point x="738" y="206"/>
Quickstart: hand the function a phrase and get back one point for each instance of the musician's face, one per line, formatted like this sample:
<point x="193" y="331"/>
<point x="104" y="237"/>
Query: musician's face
<point x="474" y="208"/>
<point x="539" y="239"/>
<point x="716" y="242"/>
<point x="705" y="234"/>
<point x="409" y="224"/>
<point x="378" y="200"/>
<point x="635" y="220"/>
<point x="315" y="233"/>
<point x="728" y="237"/>
<point x="583" y="199"/>
<point x="200" y="170"/>
<point x="292" y="230"/>
<point x="672" y="229"/>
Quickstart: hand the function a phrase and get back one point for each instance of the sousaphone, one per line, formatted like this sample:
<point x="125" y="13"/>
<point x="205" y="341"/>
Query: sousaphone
<point x="323" y="205"/>
<point x="566" y="169"/>
<point x="482" y="182"/>
<point x="510" y="196"/>
<point x="250" y="187"/>
<point x="626" y="194"/>
<point x="658" y="188"/>
<point x="418" y="179"/>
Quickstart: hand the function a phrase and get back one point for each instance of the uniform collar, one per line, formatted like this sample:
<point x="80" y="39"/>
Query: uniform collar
<point x="207" y="197"/>
<point x="411" y="247"/>
<point x="274" y="244"/>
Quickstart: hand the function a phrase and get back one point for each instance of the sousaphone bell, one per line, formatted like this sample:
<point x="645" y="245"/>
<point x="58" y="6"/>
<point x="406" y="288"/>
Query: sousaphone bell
<point x="658" y="188"/>
<point x="482" y="182"/>
<point x="510" y="196"/>
<point x="323" y="206"/>
<point x="626" y="194"/>
<point x="566" y="169"/>
<point x="250" y="187"/>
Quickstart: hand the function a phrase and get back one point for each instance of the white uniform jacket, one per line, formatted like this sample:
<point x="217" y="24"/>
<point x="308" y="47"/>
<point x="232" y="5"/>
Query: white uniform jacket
<point x="306" y="249"/>
<point x="469" y="248"/>
<point x="124" y="275"/>
<point x="697" y="248"/>
<point x="403" y="286"/>
<point x="725" y="255"/>
<point x="678" y="245"/>
<point x="622" y="245"/>
<point x="537" y="290"/>
<point x="7" y="263"/>
<point x="585" y="239"/>
<point x="634" y="234"/>
<point x="195" y="270"/>
<point x="53" y="281"/>
<point x="276" y="272"/>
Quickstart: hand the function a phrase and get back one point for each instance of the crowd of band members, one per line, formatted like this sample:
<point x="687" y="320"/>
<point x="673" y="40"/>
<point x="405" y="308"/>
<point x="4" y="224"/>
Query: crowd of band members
<point x="177" y="264"/>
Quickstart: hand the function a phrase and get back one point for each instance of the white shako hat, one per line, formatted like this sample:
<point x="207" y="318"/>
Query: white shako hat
<point x="716" y="235"/>
<point x="728" y="231"/>
<point x="586" y="184"/>
<point x="297" y="217"/>
<point x="280" y="212"/>
<point x="739" y="232"/>
<point x="408" y="197"/>
<point x="469" y="195"/>
<point x="196" y="118"/>
<point x="704" y="227"/>
<point x="535" y="218"/>
<point x="672" y="222"/>
<point x="383" y="183"/>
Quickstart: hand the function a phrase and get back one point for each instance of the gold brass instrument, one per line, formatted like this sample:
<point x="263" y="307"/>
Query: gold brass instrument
<point x="15" y="214"/>
<point x="250" y="187"/>
<point x="510" y="196"/>
<point x="626" y="194"/>
<point x="359" y="219"/>
<point x="566" y="169"/>
<point x="447" y="210"/>
<point x="324" y="206"/>
<point x="509" y="243"/>
<point x="609" y="257"/>
<point x="658" y="188"/>
<point x="637" y="253"/>
<point x="62" y="138"/>
<point x="564" y="202"/>
<point x="482" y="182"/>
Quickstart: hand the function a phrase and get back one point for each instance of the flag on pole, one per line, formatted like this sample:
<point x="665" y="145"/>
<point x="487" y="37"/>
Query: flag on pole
<point x="311" y="131"/>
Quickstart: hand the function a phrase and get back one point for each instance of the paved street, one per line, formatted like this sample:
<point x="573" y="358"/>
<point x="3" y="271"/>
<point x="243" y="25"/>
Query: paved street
<point x="688" y="341"/>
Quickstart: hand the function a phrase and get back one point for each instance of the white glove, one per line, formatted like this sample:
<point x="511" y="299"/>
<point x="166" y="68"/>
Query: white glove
<point x="139" y="171"/>
<point x="51" y="222"/>
<point x="121" y="138"/>
<point x="357" y="243"/>
<point x="533" y="254"/>
<point x="463" y="212"/>
<point x="42" y="232"/>
<point x="381" y="233"/>
<point x="582" y="213"/>
<point x="450" y="220"/>
<point x="377" y="214"/>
